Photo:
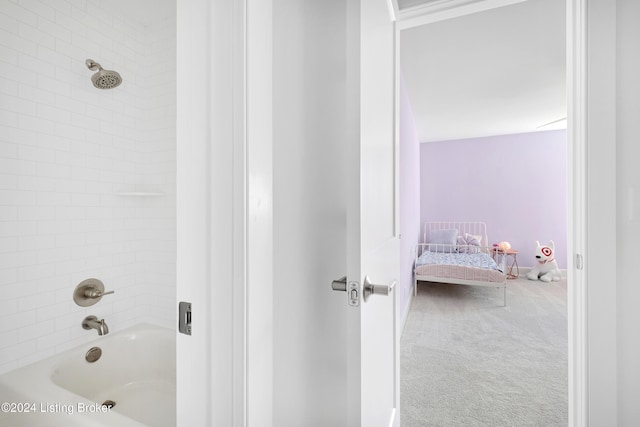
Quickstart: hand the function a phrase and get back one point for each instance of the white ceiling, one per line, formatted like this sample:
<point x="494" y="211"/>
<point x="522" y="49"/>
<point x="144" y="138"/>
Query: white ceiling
<point x="404" y="4"/>
<point x="495" y="72"/>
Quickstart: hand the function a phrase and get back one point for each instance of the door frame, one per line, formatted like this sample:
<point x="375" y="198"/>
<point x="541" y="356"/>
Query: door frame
<point x="224" y="369"/>
<point x="591" y="111"/>
<point x="591" y="228"/>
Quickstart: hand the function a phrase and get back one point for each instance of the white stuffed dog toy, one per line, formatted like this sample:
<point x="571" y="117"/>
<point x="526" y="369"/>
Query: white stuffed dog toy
<point x="547" y="268"/>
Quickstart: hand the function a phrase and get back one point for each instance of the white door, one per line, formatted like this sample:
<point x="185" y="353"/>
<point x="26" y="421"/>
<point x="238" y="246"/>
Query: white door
<point x="372" y="247"/>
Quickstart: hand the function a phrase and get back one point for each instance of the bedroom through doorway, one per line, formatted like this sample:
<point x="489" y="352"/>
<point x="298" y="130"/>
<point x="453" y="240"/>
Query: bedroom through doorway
<point x="482" y="124"/>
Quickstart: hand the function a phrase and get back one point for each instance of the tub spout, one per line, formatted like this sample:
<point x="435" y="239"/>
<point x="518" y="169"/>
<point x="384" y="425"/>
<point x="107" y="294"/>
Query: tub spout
<point x="92" y="322"/>
<point x="105" y="328"/>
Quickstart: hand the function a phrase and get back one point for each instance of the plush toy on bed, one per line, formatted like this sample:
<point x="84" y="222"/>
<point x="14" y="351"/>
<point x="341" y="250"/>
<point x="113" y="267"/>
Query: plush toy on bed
<point x="547" y="268"/>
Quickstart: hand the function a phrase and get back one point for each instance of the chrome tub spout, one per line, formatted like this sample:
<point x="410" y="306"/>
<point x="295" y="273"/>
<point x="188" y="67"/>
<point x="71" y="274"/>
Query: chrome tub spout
<point x="92" y="322"/>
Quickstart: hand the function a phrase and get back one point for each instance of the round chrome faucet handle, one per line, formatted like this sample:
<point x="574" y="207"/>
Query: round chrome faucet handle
<point x="89" y="292"/>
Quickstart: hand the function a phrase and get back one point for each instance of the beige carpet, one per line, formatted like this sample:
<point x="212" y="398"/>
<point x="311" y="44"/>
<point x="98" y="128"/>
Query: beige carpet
<point x="468" y="361"/>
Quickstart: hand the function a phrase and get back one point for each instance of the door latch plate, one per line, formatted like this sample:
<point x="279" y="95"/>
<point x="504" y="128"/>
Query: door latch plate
<point x="184" y="317"/>
<point x="351" y="288"/>
<point x="353" y="294"/>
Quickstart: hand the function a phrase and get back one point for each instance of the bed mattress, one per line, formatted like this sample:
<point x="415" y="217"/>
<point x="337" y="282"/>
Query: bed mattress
<point x="464" y="266"/>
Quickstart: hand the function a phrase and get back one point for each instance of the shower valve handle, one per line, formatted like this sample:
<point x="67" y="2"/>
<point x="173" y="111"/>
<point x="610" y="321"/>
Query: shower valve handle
<point x="96" y="293"/>
<point x="89" y="292"/>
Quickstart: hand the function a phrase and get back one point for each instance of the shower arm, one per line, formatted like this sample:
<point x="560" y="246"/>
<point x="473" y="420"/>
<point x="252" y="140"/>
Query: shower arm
<point x="93" y="65"/>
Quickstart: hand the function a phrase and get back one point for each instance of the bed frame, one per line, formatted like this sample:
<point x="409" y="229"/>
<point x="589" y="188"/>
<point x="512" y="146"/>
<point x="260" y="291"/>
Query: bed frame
<point x="456" y="274"/>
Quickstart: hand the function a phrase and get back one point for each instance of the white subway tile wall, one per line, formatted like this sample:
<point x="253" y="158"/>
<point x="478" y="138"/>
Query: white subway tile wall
<point x="70" y="157"/>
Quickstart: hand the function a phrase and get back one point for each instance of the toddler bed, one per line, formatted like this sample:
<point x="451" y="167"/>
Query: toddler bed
<point x="458" y="253"/>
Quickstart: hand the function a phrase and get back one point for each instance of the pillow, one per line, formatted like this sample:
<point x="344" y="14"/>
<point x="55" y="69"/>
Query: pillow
<point x="468" y="240"/>
<point x="444" y="240"/>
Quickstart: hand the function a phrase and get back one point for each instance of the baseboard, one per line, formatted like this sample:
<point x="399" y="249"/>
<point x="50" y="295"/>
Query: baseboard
<point x="525" y="270"/>
<point x="407" y="307"/>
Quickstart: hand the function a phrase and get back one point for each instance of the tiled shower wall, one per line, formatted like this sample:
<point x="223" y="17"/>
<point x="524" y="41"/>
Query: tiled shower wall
<point x="87" y="176"/>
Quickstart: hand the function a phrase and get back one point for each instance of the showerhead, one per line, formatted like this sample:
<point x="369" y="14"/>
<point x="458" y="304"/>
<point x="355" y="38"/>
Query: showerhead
<point x="103" y="79"/>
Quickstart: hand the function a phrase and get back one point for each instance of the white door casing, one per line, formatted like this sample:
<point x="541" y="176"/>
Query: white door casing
<point x="211" y="167"/>
<point x="193" y="200"/>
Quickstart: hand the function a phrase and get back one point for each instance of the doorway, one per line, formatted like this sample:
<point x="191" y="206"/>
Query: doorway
<point x="460" y="139"/>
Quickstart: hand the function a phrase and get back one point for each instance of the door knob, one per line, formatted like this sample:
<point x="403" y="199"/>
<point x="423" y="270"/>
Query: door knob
<point x="371" y="289"/>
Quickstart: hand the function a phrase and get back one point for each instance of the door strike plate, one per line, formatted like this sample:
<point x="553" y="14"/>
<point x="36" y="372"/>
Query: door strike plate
<point x="184" y="318"/>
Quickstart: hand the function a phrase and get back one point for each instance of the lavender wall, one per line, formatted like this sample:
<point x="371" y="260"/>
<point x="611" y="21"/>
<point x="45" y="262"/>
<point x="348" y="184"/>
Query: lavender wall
<point x="409" y="197"/>
<point x="516" y="184"/>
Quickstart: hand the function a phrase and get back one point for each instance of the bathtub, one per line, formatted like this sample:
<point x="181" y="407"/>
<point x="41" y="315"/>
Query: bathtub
<point x="136" y="372"/>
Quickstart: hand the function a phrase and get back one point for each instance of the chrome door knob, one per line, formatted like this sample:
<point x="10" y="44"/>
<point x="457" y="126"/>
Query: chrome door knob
<point x="371" y="289"/>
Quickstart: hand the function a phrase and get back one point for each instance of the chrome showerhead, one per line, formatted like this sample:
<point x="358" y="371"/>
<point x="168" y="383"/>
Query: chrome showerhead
<point x="103" y="79"/>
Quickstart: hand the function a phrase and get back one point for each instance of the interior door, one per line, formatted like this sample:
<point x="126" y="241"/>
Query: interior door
<point x="372" y="245"/>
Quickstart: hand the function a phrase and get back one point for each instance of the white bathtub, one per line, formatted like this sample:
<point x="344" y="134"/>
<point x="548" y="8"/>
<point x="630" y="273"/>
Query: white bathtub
<point x="137" y="371"/>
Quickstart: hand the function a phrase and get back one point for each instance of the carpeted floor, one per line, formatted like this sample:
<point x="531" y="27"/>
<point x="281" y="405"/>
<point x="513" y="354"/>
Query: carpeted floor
<point x="468" y="361"/>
